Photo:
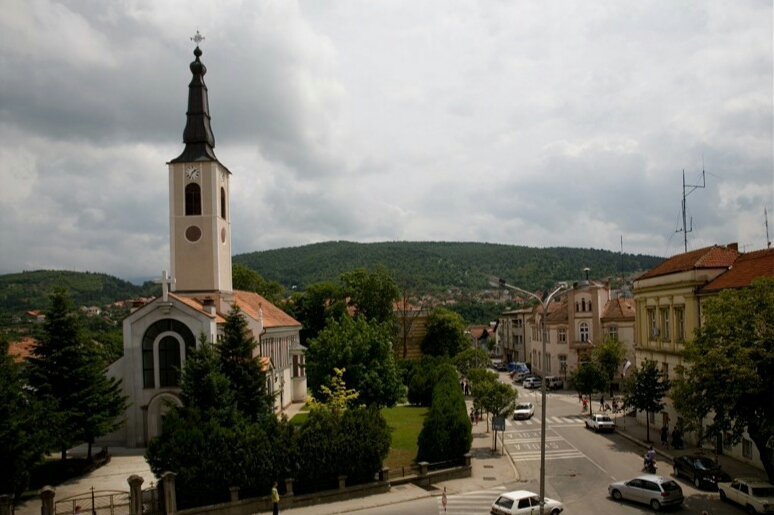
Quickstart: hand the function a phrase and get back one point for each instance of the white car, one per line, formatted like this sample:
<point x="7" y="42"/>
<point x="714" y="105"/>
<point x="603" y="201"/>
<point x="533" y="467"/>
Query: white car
<point x="755" y="495"/>
<point x="600" y="422"/>
<point x="523" y="410"/>
<point x="532" y="382"/>
<point x="523" y="502"/>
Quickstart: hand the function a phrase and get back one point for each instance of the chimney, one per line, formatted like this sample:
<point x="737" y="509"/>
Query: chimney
<point x="733" y="246"/>
<point x="209" y="305"/>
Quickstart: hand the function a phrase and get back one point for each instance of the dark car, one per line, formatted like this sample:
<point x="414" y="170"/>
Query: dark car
<point x="702" y="470"/>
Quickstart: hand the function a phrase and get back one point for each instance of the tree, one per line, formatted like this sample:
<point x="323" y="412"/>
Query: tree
<point x="494" y="397"/>
<point x="445" y="334"/>
<point x="25" y="426"/>
<point x="609" y="356"/>
<point x="315" y="306"/>
<point x="245" y="279"/>
<point x="423" y="376"/>
<point x="364" y="350"/>
<point x="589" y="378"/>
<point x="471" y="358"/>
<point x="245" y="373"/>
<point x="446" y="431"/>
<point x="371" y="294"/>
<point x="69" y="371"/>
<point x="335" y="398"/>
<point x="645" y="389"/>
<point x="729" y="369"/>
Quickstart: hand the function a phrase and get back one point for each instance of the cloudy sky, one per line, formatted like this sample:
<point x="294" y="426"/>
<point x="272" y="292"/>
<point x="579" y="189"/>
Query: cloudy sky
<point x="563" y="123"/>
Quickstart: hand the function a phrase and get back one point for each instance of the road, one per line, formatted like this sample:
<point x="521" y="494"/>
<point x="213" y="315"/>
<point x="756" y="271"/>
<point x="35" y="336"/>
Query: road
<point x="579" y="466"/>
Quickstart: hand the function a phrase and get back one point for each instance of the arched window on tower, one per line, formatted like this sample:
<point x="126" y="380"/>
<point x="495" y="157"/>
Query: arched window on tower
<point x="223" y="203"/>
<point x="193" y="200"/>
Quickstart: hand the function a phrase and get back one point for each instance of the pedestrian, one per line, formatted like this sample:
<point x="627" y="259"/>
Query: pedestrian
<point x="602" y="403"/>
<point x="275" y="498"/>
<point x="580" y="397"/>
<point x="472" y="416"/>
<point x="443" y="498"/>
<point x="77" y="510"/>
<point x="615" y="405"/>
<point x="665" y="435"/>
<point x="585" y="405"/>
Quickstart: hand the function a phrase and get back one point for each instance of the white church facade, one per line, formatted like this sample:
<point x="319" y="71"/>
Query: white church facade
<point x="198" y="294"/>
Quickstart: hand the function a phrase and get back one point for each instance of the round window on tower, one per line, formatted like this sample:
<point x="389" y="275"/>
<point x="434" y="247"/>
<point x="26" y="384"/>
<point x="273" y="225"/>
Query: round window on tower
<point x="193" y="233"/>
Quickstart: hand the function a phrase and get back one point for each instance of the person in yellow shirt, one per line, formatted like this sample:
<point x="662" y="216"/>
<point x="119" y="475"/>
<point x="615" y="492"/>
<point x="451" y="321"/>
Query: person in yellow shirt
<point x="275" y="498"/>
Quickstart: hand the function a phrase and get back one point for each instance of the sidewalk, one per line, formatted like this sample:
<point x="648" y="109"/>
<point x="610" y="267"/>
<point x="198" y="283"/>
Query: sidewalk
<point x="629" y="428"/>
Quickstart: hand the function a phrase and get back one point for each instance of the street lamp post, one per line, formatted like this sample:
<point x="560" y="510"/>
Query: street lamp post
<point x="561" y="288"/>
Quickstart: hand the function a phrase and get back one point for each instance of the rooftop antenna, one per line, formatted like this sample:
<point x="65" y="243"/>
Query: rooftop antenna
<point x="766" y="218"/>
<point x="685" y="230"/>
<point x="623" y="274"/>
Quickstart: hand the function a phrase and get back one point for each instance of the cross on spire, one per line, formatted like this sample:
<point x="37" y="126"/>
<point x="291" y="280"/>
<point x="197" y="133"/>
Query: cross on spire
<point x="197" y="38"/>
<point x="165" y="282"/>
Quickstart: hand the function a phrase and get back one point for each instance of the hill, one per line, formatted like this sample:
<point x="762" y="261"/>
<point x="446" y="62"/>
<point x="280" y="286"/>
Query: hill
<point x="438" y="266"/>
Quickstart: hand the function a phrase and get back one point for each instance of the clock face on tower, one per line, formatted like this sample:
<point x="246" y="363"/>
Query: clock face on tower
<point x="191" y="173"/>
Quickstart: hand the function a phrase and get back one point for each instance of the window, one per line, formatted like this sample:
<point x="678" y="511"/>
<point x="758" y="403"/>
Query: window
<point x="584" y="332"/>
<point x="223" y="203"/>
<point x="562" y="363"/>
<point x="169" y="361"/>
<point x="193" y="200"/>
<point x="665" y="333"/>
<point x="665" y="370"/>
<point x="548" y="362"/>
<point x="577" y="306"/>
<point x="680" y="324"/>
<point x="652" y="328"/>
<point x="747" y="448"/>
<point x="517" y="323"/>
<point x="149" y="340"/>
<point x="583" y="304"/>
<point x="562" y="336"/>
<point x="612" y="331"/>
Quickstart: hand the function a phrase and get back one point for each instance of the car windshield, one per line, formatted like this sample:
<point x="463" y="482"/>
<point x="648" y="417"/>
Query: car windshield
<point x="522" y="406"/>
<point x="605" y="418"/>
<point x="670" y="486"/>
<point x="763" y="491"/>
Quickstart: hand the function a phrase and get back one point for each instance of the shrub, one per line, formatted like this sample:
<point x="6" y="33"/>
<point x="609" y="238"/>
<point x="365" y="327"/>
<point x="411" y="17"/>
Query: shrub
<point x="446" y="433"/>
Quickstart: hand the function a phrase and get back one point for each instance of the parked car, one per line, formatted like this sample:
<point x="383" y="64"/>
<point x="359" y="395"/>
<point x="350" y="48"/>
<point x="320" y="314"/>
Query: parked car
<point x="554" y="383"/>
<point x="656" y="491"/>
<point x="519" y="377"/>
<point x="523" y="410"/>
<point x="600" y="422"/>
<point x="532" y="382"/>
<point x="755" y="495"/>
<point x="501" y="366"/>
<point x="523" y="502"/>
<point x="702" y="470"/>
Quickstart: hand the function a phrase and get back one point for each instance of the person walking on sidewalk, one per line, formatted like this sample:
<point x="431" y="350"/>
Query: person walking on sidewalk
<point x="443" y="498"/>
<point x="275" y="499"/>
<point x="665" y="435"/>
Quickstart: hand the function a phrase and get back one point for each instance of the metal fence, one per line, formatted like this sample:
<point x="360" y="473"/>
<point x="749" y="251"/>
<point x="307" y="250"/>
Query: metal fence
<point x="102" y="502"/>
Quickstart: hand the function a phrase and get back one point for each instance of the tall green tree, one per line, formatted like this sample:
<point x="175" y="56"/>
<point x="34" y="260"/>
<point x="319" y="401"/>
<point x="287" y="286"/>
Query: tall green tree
<point x="494" y="397"/>
<point x="313" y="308"/>
<point x="446" y="430"/>
<point x="609" y="356"/>
<point x="729" y="367"/>
<point x="373" y="294"/>
<point x="445" y="334"/>
<point x="588" y="379"/>
<point x="69" y="370"/>
<point x="364" y="349"/>
<point x="245" y="279"/>
<point x="25" y="426"/>
<point x="645" y="389"/>
<point x="244" y="372"/>
<point x="471" y="358"/>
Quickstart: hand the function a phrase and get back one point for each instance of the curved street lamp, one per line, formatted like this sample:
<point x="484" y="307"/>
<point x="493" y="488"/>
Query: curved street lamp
<point x="560" y="289"/>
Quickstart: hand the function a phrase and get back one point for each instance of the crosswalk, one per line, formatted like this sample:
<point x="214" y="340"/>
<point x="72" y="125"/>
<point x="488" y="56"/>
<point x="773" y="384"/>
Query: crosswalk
<point x="568" y="420"/>
<point x="471" y="503"/>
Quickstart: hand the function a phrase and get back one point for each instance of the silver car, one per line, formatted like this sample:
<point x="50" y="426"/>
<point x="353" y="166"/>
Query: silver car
<point x="657" y="491"/>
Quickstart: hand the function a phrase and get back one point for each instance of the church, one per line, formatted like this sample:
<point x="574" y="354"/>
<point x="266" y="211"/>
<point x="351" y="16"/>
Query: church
<point x="197" y="294"/>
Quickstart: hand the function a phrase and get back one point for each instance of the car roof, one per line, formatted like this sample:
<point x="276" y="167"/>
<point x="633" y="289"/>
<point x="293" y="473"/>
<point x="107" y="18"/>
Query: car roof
<point x="753" y="481"/>
<point x="653" y="477"/>
<point x="518" y="494"/>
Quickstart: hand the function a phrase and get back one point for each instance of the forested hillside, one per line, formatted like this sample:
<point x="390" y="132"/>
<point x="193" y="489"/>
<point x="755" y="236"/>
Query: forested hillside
<point x="437" y="266"/>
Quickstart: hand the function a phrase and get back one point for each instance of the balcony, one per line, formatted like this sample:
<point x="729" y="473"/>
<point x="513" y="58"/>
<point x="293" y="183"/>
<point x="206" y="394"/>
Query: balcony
<point x="579" y="345"/>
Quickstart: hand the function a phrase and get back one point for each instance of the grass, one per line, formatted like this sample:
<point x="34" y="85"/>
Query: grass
<point x="405" y="423"/>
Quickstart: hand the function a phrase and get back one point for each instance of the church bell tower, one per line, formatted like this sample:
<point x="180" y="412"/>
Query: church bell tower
<point x="199" y="214"/>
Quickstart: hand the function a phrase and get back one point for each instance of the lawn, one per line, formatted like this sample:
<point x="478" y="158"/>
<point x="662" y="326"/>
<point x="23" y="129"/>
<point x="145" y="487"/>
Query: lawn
<point x="405" y="423"/>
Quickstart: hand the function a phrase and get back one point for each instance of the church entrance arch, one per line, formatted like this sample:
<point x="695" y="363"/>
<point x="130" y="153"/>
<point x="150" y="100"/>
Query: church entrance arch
<point x="157" y="408"/>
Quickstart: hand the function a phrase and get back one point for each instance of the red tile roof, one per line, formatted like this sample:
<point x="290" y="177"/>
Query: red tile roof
<point x="22" y="348"/>
<point x="747" y="267"/>
<point x="273" y="316"/>
<point x="708" y="257"/>
<point x="620" y="308"/>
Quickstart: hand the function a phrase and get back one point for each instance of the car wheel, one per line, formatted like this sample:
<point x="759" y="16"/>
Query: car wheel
<point x="751" y="509"/>
<point x="617" y="495"/>
<point x="697" y="481"/>
<point x="555" y="512"/>
<point x="676" y="472"/>
<point x="723" y="497"/>
<point x="655" y="505"/>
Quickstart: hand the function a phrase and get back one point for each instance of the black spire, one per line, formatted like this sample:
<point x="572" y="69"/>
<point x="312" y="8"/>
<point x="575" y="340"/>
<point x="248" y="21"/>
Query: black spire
<point x="197" y="136"/>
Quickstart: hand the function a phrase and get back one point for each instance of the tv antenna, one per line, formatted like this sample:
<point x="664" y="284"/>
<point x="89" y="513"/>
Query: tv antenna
<point x="766" y="222"/>
<point x="685" y="230"/>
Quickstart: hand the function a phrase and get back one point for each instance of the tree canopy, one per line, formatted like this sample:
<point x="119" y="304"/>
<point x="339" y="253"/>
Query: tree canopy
<point x="445" y="334"/>
<point x="609" y="356"/>
<point x="245" y="279"/>
<point x="645" y="389"/>
<point x="371" y="294"/>
<point x="589" y="378"/>
<point x="364" y="350"/>
<point x="729" y="367"/>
